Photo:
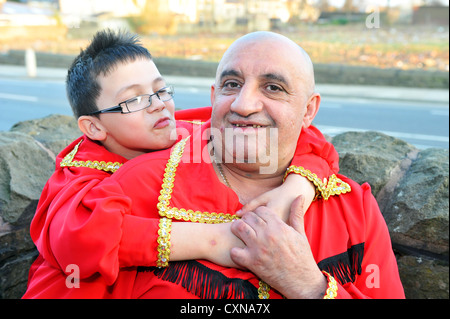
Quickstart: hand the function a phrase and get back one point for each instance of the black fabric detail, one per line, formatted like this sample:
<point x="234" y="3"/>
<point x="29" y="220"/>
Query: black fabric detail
<point x="344" y="267"/>
<point x="204" y="282"/>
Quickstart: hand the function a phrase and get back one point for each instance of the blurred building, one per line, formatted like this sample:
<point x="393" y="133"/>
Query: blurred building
<point x="13" y="14"/>
<point x="247" y="15"/>
<point x="430" y="15"/>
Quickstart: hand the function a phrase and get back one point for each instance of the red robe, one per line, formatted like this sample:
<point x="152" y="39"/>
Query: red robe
<point x="86" y="229"/>
<point x="347" y="233"/>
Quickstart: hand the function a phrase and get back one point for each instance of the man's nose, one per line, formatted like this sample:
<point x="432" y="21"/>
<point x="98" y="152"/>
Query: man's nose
<point x="247" y="102"/>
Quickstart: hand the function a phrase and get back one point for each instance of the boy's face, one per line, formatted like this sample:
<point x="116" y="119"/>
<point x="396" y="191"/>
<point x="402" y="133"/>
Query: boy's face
<point x="139" y="132"/>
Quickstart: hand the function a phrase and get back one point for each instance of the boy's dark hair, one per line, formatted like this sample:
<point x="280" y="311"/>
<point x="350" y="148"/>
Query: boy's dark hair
<point x="107" y="49"/>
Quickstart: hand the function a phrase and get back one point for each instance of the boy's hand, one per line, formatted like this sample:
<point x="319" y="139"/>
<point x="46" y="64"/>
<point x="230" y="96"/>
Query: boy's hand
<point x="280" y="199"/>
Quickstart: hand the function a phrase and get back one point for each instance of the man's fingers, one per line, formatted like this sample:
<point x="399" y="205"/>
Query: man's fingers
<point x="252" y="205"/>
<point x="243" y="231"/>
<point x="240" y="256"/>
<point x="296" y="215"/>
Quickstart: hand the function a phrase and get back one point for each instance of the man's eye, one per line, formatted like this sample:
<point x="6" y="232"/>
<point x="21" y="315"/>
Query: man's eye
<point x="274" y="88"/>
<point x="231" y="85"/>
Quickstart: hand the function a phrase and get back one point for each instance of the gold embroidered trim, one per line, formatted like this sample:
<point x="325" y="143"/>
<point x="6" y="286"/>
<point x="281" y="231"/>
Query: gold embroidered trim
<point x="189" y="215"/>
<point x="324" y="189"/>
<point x="166" y="190"/>
<point x="332" y="288"/>
<point x="263" y="290"/>
<point x="165" y="226"/>
<point x="193" y="122"/>
<point x="102" y="166"/>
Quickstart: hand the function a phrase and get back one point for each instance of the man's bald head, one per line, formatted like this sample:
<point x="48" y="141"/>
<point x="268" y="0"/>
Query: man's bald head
<point x="298" y="58"/>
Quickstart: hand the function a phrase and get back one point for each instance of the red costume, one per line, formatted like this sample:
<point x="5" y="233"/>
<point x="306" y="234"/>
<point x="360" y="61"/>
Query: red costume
<point x="86" y="222"/>
<point x="347" y="233"/>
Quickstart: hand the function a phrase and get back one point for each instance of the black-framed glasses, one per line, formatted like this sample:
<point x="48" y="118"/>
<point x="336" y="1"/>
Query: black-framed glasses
<point x="139" y="102"/>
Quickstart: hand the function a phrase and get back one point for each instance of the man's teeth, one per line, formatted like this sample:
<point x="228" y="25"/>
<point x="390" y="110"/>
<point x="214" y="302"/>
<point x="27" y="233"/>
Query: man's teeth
<point x="245" y="125"/>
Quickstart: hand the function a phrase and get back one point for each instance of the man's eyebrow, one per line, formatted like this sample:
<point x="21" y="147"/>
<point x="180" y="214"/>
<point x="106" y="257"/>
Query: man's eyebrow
<point x="228" y="73"/>
<point x="275" y="77"/>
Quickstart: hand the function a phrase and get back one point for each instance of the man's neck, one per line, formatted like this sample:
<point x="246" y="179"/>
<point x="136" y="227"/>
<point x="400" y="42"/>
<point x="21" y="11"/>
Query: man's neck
<point x="248" y="183"/>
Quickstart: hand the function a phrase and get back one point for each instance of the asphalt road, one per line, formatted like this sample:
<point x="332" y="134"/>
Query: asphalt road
<point x="424" y="124"/>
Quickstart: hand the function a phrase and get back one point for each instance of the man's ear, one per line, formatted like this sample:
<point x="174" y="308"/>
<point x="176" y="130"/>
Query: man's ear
<point x="212" y="97"/>
<point x="92" y="127"/>
<point x="312" y="107"/>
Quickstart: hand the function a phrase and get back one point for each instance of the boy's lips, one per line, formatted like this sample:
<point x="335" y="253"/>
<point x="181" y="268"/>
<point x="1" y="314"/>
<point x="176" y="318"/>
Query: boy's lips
<point x="162" y="122"/>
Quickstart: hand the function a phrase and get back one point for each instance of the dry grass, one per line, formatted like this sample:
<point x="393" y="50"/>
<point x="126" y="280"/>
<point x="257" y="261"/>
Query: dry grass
<point x="400" y="47"/>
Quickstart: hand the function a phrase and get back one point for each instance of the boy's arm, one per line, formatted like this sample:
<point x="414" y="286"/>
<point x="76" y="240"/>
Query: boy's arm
<point x="211" y="242"/>
<point x="95" y="230"/>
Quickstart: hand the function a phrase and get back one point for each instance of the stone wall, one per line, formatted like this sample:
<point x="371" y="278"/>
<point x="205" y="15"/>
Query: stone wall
<point x="411" y="187"/>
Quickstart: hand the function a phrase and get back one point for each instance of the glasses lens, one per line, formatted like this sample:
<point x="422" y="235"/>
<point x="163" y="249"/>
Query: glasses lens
<point x="143" y="101"/>
<point x="138" y="103"/>
<point x="166" y="94"/>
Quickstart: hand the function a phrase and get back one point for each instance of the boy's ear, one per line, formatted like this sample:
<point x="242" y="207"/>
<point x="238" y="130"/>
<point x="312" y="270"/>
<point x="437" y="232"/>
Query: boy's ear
<point x="92" y="127"/>
<point x="311" y="109"/>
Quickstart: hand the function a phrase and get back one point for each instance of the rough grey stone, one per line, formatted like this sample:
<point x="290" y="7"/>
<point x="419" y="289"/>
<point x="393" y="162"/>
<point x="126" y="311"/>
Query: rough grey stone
<point x="417" y="214"/>
<point x="370" y="156"/>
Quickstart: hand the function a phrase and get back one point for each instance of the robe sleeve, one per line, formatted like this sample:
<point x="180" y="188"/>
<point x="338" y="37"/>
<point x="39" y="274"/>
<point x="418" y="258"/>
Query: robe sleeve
<point x="379" y="277"/>
<point x="315" y="158"/>
<point x="94" y="229"/>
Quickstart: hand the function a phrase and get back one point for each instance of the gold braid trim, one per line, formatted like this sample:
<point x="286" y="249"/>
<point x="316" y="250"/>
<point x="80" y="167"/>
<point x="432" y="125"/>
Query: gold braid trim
<point x="263" y="290"/>
<point x="189" y="215"/>
<point x="193" y="122"/>
<point x="68" y="161"/>
<point x="165" y="226"/>
<point x="324" y="189"/>
<point x="166" y="190"/>
<point x="332" y="288"/>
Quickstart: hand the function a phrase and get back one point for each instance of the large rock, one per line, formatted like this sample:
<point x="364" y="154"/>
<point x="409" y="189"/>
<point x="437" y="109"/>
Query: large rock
<point x="27" y="160"/>
<point x="417" y="214"/>
<point x="55" y="131"/>
<point x="370" y="157"/>
<point x="24" y="169"/>
<point x="411" y="188"/>
<point x="424" y="278"/>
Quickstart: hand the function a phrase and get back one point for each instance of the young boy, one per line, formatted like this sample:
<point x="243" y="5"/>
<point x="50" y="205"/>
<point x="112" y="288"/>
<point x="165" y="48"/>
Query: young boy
<point x="124" y="109"/>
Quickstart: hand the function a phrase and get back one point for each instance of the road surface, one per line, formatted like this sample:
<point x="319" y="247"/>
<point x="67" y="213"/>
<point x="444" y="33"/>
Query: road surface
<point x="422" y="123"/>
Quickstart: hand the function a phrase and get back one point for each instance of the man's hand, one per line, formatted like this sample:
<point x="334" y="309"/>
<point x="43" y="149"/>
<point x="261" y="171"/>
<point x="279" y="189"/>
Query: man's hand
<point x="278" y="253"/>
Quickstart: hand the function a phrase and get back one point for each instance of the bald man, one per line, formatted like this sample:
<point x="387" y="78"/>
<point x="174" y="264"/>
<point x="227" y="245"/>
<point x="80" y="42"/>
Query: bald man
<point x="267" y="80"/>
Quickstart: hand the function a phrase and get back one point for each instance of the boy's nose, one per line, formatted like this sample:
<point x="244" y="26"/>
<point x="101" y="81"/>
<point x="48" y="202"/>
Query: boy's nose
<point x="157" y="105"/>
